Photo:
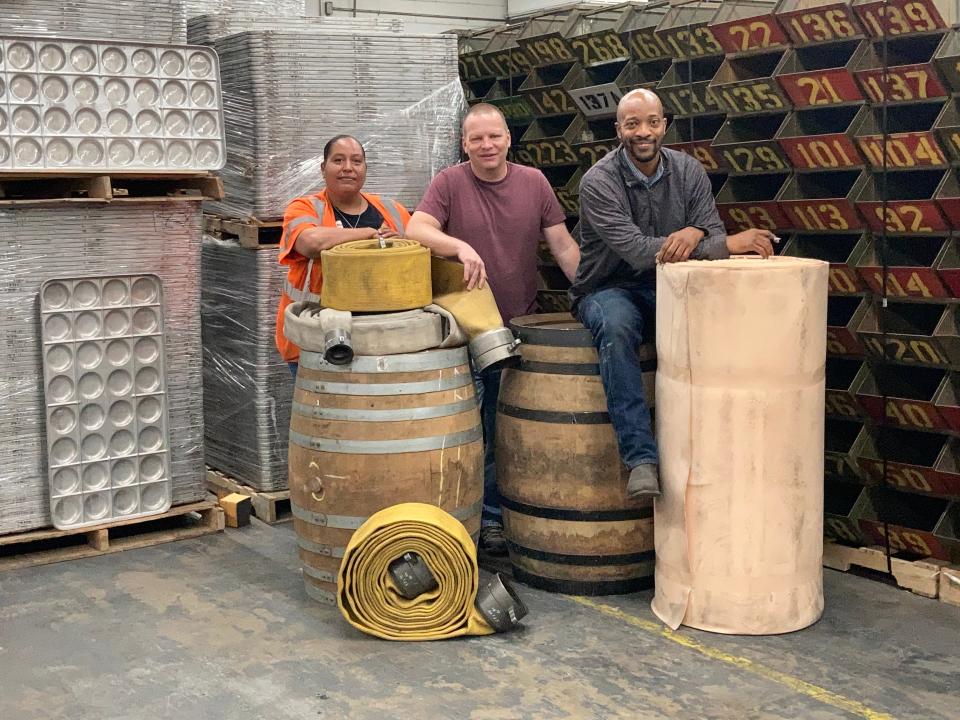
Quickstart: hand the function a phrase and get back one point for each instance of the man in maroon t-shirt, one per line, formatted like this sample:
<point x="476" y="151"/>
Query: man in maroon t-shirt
<point x="490" y="214"/>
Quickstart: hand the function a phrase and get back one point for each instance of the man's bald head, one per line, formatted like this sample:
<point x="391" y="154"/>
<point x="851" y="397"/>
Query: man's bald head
<point x="641" y="101"/>
<point x="641" y="128"/>
<point x="485" y="110"/>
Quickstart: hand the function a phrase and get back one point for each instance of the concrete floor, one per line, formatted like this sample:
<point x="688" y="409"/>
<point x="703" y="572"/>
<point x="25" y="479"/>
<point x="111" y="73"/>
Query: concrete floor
<point x="220" y="627"/>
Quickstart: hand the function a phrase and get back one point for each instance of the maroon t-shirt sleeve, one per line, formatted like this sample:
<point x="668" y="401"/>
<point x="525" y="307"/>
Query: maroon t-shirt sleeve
<point x="436" y="201"/>
<point x="551" y="213"/>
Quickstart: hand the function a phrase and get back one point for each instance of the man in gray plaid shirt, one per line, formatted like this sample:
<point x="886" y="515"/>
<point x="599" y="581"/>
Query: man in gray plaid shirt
<point x="641" y="205"/>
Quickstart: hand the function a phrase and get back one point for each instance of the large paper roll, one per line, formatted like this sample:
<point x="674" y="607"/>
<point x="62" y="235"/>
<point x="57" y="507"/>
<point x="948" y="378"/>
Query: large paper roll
<point x="741" y="346"/>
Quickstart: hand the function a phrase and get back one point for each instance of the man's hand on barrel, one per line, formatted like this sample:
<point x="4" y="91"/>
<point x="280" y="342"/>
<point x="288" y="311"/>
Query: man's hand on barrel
<point x="679" y="245"/>
<point x="753" y="240"/>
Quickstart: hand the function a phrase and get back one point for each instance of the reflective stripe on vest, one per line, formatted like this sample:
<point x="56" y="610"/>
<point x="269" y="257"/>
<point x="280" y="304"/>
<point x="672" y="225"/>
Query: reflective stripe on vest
<point x="393" y="209"/>
<point x="303" y="294"/>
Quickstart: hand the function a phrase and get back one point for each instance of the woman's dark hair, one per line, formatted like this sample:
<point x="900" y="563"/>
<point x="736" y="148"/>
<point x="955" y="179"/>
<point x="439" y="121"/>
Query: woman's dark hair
<point x="337" y="138"/>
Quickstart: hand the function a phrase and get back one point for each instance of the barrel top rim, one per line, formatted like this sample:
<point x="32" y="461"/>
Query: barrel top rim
<point x="548" y="321"/>
<point x="556" y="329"/>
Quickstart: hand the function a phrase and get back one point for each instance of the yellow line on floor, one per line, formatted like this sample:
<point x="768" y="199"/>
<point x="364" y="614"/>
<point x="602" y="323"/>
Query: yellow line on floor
<point x="796" y="684"/>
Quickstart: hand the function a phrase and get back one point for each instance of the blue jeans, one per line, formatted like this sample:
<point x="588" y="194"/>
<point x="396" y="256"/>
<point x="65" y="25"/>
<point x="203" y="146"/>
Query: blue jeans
<point x="618" y="318"/>
<point x="488" y="391"/>
<point x="293" y="368"/>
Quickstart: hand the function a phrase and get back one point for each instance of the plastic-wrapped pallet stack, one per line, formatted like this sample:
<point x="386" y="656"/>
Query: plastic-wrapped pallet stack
<point x="247" y="386"/>
<point x="250" y="8"/>
<point x="72" y="240"/>
<point x="398" y="93"/>
<point x="205" y="29"/>
<point x="47" y="238"/>
<point x="162" y="21"/>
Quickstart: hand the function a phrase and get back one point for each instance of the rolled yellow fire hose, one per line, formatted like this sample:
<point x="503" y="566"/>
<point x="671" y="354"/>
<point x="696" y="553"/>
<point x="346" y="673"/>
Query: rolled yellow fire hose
<point x="369" y="597"/>
<point x="475" y="310"/>
<point x="365" y="276"/>
<point x="476" y="313"/>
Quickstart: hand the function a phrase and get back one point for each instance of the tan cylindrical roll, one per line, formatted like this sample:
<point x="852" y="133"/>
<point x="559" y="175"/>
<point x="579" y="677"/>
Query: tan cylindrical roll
<point x="741" y="347"/>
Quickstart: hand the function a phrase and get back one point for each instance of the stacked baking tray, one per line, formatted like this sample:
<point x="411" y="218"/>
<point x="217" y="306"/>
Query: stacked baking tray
<point x="39" y="243"/>
<point x="287" y="93"/>
<point x="90" y="105"/>
<point x="247" y="388"/>
<point x="246" y="8"/>
<point x="206" y="29"/>
<point x="163" y="21"/>
<point x="104" y="384"/>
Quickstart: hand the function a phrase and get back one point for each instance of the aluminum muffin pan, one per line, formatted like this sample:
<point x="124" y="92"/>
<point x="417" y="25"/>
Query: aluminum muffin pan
<point x="108" y="443"/>
<point x="84" y="104"/>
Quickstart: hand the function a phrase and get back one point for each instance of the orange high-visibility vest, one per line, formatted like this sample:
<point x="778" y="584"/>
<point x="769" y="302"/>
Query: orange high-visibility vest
<point x="305" y="275"/>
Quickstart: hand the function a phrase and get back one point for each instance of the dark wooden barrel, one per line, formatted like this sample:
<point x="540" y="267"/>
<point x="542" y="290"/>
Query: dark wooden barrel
<point x="381" y="431"/>
<point x="568" y="524"/>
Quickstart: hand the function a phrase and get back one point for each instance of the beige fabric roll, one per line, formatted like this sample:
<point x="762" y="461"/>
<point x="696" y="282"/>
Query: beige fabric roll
<point x="741" y="346"/>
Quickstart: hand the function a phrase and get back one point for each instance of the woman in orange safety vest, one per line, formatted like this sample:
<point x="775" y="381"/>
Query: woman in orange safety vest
<point x="337" y="214"/>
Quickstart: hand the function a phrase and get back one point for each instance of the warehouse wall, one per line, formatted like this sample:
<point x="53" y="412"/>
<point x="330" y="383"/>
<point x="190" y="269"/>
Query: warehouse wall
<point x="420" y="15"/>
<point x="522" y="7"/>
<point x="440" y="15"/>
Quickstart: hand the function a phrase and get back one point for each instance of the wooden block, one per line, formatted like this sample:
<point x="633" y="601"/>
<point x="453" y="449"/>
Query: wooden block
<point x="211" y="223"/>
<point x="950" y="585"/>
<point x="265" y="509"/>
<point x="236" y="509"/>
<point x="837" y="557"/>
<point x="99" y="539"/>
<point x="919" y="577"/>
<point x="212" y="188"/>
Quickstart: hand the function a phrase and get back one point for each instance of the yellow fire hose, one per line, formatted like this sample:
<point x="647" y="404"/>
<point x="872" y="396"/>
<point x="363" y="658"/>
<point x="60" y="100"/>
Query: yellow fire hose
<point x="475" y="310"/>
<point x="373" y="601"/>
<point x="476" y="313"/>
<point x="367" y="276"/>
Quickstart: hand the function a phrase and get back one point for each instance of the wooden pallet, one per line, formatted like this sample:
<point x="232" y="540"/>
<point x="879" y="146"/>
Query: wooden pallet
<point x="41" y="547"/>
<point x="250" y="233"/>
<point x="269" y="507"/>
<point x="921" y="577"/>
<point x="19" y="189"/>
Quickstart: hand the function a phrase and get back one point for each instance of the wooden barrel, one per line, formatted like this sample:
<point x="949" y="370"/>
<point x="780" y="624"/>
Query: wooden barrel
<point x="381" y="431"/>
<point x="568" y="524"/>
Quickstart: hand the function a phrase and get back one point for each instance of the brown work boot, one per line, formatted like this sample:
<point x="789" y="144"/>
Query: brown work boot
<point x="492" y="541"/>
<point x="644" y="482"/>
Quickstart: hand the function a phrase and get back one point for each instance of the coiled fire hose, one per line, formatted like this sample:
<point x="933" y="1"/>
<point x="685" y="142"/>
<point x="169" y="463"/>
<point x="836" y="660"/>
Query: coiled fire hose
<point x="320" y="330"/>
<point x="410" y="573"/>
<point x="367" y="276"/>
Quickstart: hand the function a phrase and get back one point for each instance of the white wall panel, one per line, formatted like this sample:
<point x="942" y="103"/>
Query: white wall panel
<point x="426" y="15"/>
<point x="522" y="7"/>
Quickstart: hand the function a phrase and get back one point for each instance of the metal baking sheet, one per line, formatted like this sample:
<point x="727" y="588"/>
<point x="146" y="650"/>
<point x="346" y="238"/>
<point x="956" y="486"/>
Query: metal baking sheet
<point x="108" y="443"/>
<point x="96" y="105"/>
